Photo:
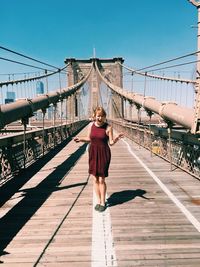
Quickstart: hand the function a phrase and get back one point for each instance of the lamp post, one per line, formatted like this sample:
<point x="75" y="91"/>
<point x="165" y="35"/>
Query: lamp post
<point x="196" y="124"/>
<point x="197" y="5"/>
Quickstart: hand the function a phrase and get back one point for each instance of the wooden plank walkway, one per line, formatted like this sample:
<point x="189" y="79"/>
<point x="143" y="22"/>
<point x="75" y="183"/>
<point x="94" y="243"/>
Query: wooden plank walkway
<point x="47" y="216"/>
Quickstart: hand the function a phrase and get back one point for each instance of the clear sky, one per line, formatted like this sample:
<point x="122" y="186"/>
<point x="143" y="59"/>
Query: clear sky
<point x="143" y="32"/>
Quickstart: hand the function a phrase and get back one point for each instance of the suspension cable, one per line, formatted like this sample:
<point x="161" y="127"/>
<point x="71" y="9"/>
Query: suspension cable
<point x="157" y="76"/>
<point x="14" y="52"/>
<point x="170" y="60"/>
<point x="32" y="78"/>
<point x="177" y="65"/>
<point x="137" y="71"/>
<point x="21" y="63"/>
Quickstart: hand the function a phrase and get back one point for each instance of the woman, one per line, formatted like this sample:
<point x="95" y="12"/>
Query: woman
<point x="100" y="134"/>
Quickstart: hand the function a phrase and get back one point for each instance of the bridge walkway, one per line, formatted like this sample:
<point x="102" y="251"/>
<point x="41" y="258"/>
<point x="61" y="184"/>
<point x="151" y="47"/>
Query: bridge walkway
<point x="47" y="215"/>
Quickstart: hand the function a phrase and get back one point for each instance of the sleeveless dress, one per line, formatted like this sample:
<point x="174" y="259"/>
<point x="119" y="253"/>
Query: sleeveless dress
<point x="99" y="151"/>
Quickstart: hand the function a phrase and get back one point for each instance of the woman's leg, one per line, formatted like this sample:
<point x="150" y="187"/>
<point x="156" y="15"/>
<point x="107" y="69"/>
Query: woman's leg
<point x="97" y="189"/>
<point x="102" y="188"/>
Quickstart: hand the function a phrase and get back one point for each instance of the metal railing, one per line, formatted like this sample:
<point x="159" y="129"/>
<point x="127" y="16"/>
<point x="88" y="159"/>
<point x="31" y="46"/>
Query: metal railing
<point x="20" y="150"/>
<point x="180" y="148"/>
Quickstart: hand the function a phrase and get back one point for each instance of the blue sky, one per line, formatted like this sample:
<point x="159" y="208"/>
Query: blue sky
<point x="143" y="32"/>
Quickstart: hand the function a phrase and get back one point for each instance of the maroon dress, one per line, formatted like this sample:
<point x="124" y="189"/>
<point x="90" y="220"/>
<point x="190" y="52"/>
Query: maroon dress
<point x="99" y="151"/>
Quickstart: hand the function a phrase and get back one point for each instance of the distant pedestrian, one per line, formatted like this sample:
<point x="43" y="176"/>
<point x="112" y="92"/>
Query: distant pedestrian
<point x="100" y="136"/>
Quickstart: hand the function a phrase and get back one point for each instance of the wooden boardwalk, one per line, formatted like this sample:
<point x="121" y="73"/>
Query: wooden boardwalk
<point x="47" y="216"/>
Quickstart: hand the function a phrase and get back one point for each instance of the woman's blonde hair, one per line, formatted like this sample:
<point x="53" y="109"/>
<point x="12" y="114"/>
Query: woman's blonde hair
<point x="100" y="110"/>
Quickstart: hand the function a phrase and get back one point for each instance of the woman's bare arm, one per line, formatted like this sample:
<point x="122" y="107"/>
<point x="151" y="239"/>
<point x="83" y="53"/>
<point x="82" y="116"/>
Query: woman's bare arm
<point x="113" y="140"/>
<point x="85" y="139"/>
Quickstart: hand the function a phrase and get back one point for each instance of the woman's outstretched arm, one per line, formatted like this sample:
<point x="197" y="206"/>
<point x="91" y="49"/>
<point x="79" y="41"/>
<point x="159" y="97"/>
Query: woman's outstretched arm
<point x="85" y="139"/>
<point x="113" y="140"/>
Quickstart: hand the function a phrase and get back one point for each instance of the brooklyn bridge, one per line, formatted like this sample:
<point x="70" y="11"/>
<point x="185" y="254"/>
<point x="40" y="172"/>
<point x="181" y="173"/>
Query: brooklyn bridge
<point x="152" y="215"/>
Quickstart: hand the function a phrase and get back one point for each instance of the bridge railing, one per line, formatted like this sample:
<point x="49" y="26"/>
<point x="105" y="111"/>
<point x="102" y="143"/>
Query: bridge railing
<point x="179" y="148"/>
<point x="20" y="150"/>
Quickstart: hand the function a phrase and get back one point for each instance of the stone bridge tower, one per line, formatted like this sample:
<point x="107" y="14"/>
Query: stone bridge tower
<point x="77" y="68"/>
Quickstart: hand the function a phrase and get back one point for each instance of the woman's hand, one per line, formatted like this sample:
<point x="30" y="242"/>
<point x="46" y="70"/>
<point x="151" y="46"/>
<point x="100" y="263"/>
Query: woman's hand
<point x="76" y="139"/>
<point x="121" y="135"/>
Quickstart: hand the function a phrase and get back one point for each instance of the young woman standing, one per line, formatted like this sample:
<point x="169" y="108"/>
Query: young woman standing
<point x="100" y="137"/>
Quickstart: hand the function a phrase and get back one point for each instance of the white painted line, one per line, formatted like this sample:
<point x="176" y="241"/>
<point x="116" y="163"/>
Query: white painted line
<point x="103" y="252"/>
<point x="183" y="209"/>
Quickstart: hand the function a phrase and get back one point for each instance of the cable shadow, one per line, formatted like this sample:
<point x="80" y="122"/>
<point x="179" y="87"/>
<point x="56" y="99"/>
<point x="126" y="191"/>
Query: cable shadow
<point x="31" y="190"/>
<point x="121" y="197"/>
<point x="18" y="216"/>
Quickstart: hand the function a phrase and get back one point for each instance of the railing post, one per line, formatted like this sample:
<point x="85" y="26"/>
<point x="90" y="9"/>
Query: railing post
<point x="150" y="113"/>
<point x="24" y="122"/>
<point x="66" y="110"/>
<point x="169" y="130"/>
<point x="61" y="122"/>
<point x="54" y="124"/>
<point x="196" y="120"/>
<point x="139" y="120"/>
<point x="43" y="141"/>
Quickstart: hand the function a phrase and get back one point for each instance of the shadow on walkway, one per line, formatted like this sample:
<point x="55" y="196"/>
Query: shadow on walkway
<point x="121" y="197"/>
<point x="18" y="216"/>
<point x="12" y="186"/>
